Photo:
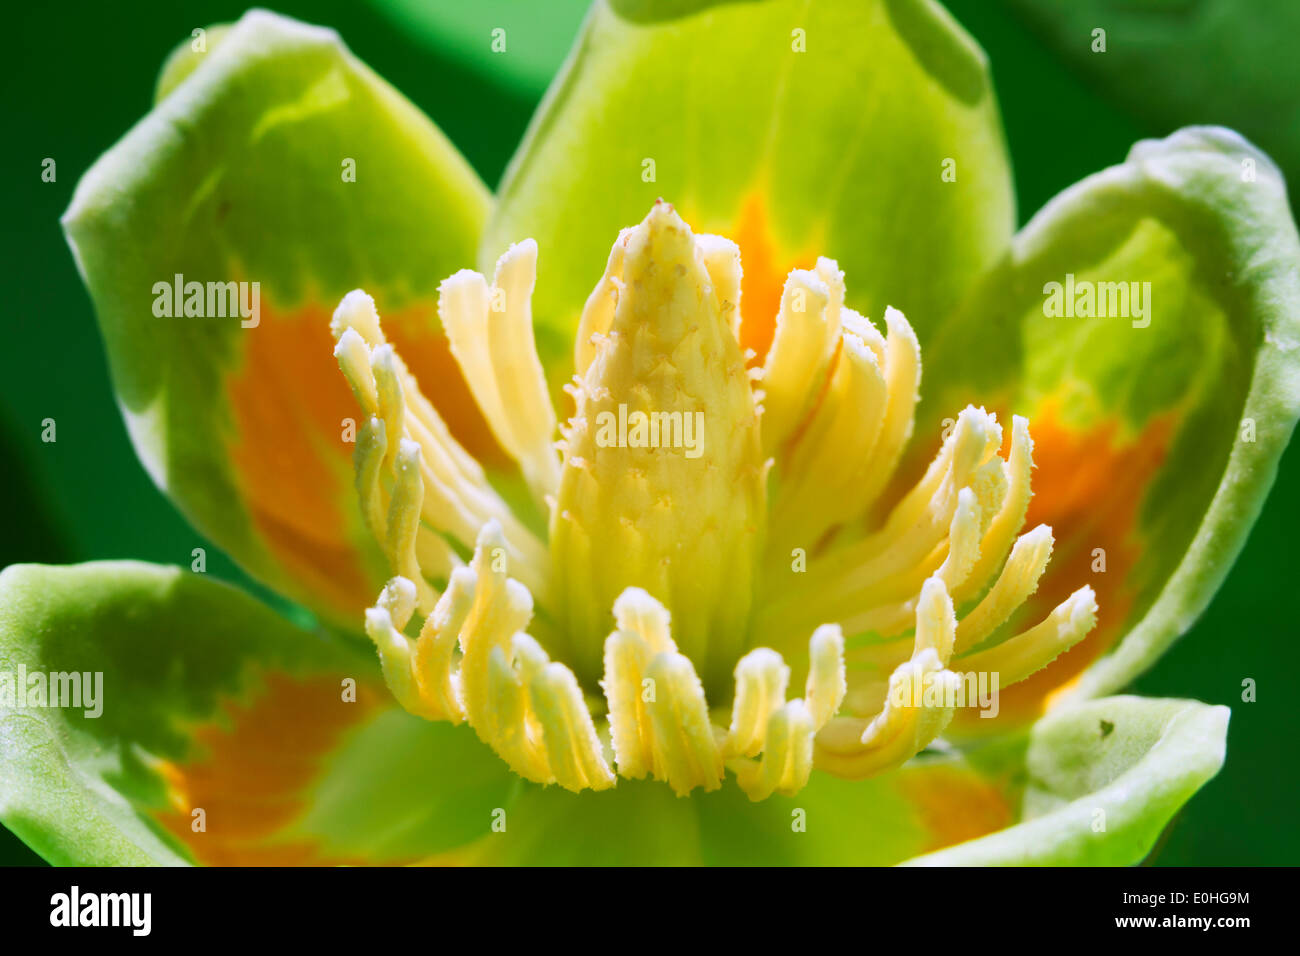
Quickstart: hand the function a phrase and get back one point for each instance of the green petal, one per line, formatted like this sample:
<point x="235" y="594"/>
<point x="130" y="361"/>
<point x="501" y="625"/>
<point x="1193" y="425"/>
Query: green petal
<point x="1103" y="780"/>
<point x="1028" y="800"/>
<point x="796" y="129"/>
<point x="241" y="173"/>
<point x="1156" y="438"/>
<point x="211" y="701"/>
<point x="830" y="822"/>
<point x="1247" y="52"/>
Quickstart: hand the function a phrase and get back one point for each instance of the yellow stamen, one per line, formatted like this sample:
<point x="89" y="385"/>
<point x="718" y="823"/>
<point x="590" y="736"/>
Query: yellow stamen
<point x="899" y="732"/>
<point x="491" y="335"/>
<point x="1018" y="580"/>
<point x="761" y="680"/>
<point x="1018" y="657"/>
<point x="722" y="259"/>
<point x="452" y="499"/>
<point x="404" y="519"/>
<point x="801" y="351"/>
<point x="438" y="682"/>
<point x="819" y="487"/>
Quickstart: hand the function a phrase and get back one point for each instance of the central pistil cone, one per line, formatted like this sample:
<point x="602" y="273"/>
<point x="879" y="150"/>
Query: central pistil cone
<point x="663" y="478"/>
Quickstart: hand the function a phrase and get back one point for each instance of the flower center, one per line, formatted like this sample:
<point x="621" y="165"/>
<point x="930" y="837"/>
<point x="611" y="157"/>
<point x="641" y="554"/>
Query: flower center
<point x="663" y="479"/>
<point x="660" y="525"/>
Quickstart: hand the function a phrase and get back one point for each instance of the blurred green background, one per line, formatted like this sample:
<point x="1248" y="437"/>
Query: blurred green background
<point x="78" y="76"/>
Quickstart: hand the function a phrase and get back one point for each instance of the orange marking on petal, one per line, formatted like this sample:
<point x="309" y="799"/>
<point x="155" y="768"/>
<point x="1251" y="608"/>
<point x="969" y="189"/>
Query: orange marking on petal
<point x="765" y="268"/>
<point x="470" y="855"/>
<point x="1088" y="485"/>
<point x="250" y="772"/>
<point x="294" y="470"/>
<point x="954" y="804"/>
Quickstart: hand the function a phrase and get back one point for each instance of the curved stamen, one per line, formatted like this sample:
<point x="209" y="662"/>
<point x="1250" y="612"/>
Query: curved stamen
<point x="801" y="352"/>
<point x="1018" y="657"/>
<point x="856" y="747"/>
<point x="598" y="312"/>
<point x="418" y="486"/>
<point x="1018" y="580"/>
<point x="722" y="261"/>
<point x="1010" y="517"/>
<point x="491" y="335"/>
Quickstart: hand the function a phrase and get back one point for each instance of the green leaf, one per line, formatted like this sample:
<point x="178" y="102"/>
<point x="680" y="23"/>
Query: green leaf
<point x="1175" y="62"/>
<point x="1157" y="431"/>
<point x="210" y="701"/>
<point x="243" y="173"/>
<point x="796" y="129"/>
<point x="1104" y="779"/>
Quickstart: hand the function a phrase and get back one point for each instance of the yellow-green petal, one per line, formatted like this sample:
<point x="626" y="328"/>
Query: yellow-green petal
<point x="224" y="735"/>
<point x="1103" y="780"/>
<point x="864" y="130"/>
<point x="276" y="159"/>
<point x="1158" y="427"/>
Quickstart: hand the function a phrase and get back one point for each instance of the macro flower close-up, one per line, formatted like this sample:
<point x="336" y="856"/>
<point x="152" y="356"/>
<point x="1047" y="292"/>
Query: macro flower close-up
<point x="745" y="479"/>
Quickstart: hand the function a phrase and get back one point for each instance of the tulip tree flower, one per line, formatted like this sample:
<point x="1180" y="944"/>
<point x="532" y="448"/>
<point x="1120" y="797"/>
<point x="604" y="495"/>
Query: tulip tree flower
<point x="700" y="558"/>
